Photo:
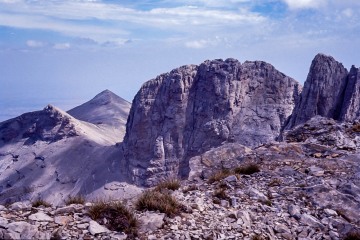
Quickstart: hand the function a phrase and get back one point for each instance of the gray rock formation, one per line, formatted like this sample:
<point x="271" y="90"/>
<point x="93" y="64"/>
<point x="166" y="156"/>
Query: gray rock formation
<point x="50" y="124"/>
<point x="193" y="108"/>
<point x="329" y="91"/>
<point x="50" y="154"/>
<point x="323" y="91"/>
<point x="106" y="110"/>
<point x="351" y="105"/>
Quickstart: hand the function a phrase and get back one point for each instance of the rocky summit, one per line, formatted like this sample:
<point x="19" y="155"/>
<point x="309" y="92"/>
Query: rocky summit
<point x="194" y="108"/>
<point x="220" y="150"/>
<point x="330" y="91"/>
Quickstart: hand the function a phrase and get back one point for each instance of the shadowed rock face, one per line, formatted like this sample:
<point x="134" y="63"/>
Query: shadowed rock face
<point x="351" y="105"/>
<point x="193" y="108"/>
<point x="50" y="124"/>
<point x="329" y="91"/>
<point x="323" y="91"/>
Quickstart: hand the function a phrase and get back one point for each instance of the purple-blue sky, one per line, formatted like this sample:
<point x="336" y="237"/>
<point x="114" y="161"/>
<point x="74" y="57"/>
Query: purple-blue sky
<point x="65" y="52"/>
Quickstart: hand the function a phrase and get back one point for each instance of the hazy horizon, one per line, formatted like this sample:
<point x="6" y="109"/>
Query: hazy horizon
<point x="65" y="52"/>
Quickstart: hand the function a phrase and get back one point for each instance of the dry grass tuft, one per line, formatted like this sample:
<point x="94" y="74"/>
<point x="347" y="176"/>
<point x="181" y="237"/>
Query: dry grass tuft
<point x="158" y="201"/>
<point x="220" y="175"/>
<point x="78" y="199"/>
<point x="115" y="216"/>
<point x="40" y="202"/>
<point x="221" y="194"/>
<point x="248" y="169"/>
<point x="171" y="184"/>
<point x="353" y="235"/>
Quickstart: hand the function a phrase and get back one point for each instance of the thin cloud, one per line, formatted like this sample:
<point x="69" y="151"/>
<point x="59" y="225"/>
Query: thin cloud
<point x="302" y="4"/>
<point x="62" y="46"/>
<point x="35" y="44"/>
<point x="105" y="22"/>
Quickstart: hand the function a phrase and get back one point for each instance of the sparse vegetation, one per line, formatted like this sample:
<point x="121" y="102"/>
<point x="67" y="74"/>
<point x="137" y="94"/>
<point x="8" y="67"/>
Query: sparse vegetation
<point x="221" y="194"/>
<point x="56" y="235"/>
<point x="353" y="235"/>
<point x="171" y="184"/>
<point x="342" y="213"/>
<point x="115" y="216"/>
<point x="257" y="237"/>
<point x="157" y="201"/>
<point x="40" y="202"/>
<point x="356" y="127"/>
<point x="275" y="182"/>
<point x="248" y="169"/>
<point x="219" y="175"/>
<point x="78" y="199"/>
<point x="266" y="202"/>
<point x="190" y="188"/>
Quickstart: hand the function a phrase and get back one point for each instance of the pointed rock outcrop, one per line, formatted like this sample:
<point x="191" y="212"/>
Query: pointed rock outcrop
<point x="351" y="103"/>
<point x="194" y="108"/>
<point x="107" y="110"/>
<point x="50" y="124"/>
<point x="323" y="91"/>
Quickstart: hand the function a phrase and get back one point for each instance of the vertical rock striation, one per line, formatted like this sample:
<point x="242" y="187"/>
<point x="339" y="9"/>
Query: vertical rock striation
<point x="323" y="91"/>
<point x="194" y="108"/>
<point x="329" y="91"/>
<point x="351" y="104"/>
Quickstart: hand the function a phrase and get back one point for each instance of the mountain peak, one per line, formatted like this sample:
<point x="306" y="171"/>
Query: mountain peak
<point x="106" y="109"/>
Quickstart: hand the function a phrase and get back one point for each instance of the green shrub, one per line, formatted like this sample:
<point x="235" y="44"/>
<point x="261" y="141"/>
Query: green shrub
<point x="248" y="169"/>
<point x="158" y="201"/>
<point x="171" y="184"/>
<point x="40" y="202"/>
<point x="115" y="216"/>
<point x="78" y="199"/>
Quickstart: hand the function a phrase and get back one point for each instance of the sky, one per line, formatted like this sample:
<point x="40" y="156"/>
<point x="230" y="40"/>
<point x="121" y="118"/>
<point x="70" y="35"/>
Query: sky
<point x="65" y="52"/>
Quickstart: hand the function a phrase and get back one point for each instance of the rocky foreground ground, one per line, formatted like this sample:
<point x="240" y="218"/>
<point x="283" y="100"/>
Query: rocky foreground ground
<point x="302" y="191"/>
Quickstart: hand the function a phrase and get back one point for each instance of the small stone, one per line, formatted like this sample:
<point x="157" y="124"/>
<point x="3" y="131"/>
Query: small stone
<point x="334" y="235"/>
<point x="224" y="203"/>
<point x="3" y="222"/>
<point x="119" y="236"/>
<point x="330" y="212"/>
<point x="310" y="221"/>
<point x="245" y="217"/>
<point x="174" y="227"/>
<point x="21" y="230"/>
<point x="234" y="202"/>
<point x="66" y="209"/>
<point x="82" y="225"/>
<point x="95" y="228"/>
<point x="317" y="155"/>
<point x="41" y="217"/>
<point x="294" y="211"/>
<point x="20" y="206"/>
<point x="231" y="178"/>
<point x="63" y="220"/>
<point x="151" y="221"/>
<point x="316" y="171"/>
<point x="254" y="193"/>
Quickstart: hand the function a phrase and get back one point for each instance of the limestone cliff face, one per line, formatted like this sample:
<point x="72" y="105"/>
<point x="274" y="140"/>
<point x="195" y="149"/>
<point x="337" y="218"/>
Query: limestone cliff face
<point x="351" y="103"/>
<point x="194" y="108"/>
<point x="330" y="91"/>
<point x="323" y="91"/>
